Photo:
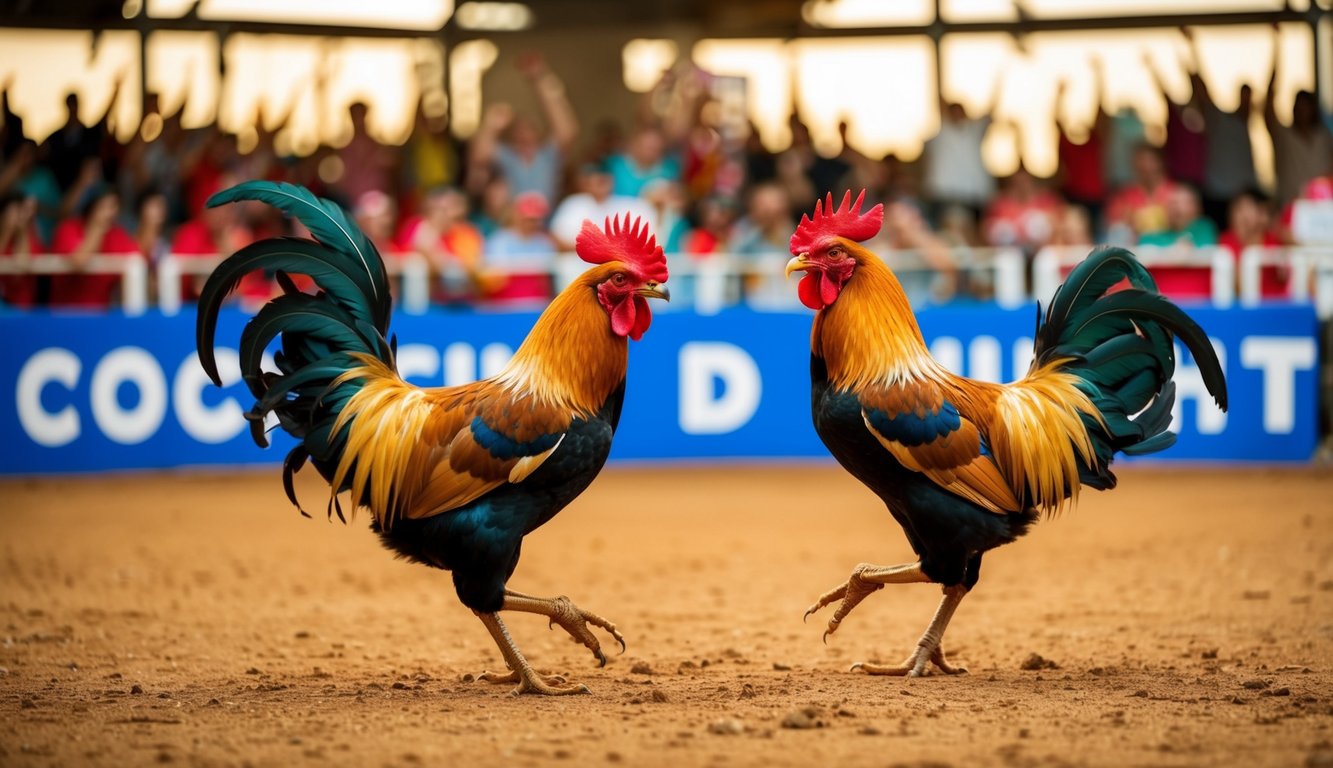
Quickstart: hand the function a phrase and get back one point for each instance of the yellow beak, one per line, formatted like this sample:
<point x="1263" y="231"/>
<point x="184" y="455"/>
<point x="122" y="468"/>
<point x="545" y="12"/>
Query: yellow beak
<point x="655" y="290"/>
<point x="798" y="264"/>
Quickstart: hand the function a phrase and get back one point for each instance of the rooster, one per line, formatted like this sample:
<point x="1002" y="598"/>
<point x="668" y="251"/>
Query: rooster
<point x="453" y="477"/>
<point x="965" y="466"/>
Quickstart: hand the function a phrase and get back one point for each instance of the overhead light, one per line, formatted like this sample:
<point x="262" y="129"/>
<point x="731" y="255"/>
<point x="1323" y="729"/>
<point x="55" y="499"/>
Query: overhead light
<point x="398" y="14"/>
<point x="493" y="17"/>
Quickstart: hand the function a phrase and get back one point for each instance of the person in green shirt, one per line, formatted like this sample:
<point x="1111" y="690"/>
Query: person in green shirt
<point x="1185" y="222"/>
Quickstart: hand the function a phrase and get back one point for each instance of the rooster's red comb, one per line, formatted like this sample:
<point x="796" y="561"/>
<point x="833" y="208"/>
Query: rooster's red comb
<point x="629" y="242"/>
<point x="847" y="222"/>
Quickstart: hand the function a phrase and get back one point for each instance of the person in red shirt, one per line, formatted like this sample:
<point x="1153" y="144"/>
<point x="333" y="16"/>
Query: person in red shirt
<point x="18" y="241"/>
<point x="451" y="244"/>
<point x="95" y="232"/>
<point x="1140" y="208"/>
<point x="217" y="232"/>
<point x="1081" y="179"/>
<point x="1249" y="222"/>
<point x="1024" y="213"/>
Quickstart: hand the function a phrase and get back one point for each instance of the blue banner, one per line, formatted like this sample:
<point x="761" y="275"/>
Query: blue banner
<point x="92" y="393"/>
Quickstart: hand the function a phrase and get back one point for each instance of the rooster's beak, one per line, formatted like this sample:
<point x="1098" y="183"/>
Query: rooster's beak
<point x="798" y="264"/>
<point x="655" y="290"/>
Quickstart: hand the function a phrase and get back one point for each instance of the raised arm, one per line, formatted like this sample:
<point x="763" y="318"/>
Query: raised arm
<point x="559" y="113"/>
<point x="484" y="144"/>
<point x="1195" y="69"/>
<point x="1270" y="109"/>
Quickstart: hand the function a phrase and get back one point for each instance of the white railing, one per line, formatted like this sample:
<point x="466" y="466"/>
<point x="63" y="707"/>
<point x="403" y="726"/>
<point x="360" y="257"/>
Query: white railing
<point x="132" y="270"/>
<point x="411" y="268"/>
<point x="712" y="283"/>
<point x="1303" y="264"/>
<point x="1052" y="263"/>
<point x="717" y="280"/>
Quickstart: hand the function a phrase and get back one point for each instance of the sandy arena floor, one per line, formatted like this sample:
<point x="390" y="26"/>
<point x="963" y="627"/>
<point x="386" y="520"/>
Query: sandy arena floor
<point x="197" y="619"/>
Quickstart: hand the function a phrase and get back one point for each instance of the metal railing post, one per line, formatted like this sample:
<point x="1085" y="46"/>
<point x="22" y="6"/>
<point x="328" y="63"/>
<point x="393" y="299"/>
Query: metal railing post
<point x="169" y="285"/>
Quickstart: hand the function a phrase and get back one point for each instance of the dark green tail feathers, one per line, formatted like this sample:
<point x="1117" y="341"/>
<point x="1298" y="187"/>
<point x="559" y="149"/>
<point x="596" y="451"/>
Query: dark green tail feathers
<point x="318" y="332"/>
<point x="1121" y="346"/>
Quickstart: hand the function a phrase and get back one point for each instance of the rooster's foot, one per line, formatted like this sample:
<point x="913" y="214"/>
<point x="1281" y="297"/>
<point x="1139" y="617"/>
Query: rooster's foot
<point x="916" y="665"/>
<point x="864" y="580"/>
<point x="513" y="677"/>
<point x="570" y="617"/>
<point x="529" y="681"/>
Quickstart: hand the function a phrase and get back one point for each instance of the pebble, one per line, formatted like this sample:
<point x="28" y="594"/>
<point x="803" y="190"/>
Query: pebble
<point x="641" y="668"/>
<point x="802" y="719"/>
<point x="136" y="689"/>
<point x="728" y="726"/>
<point x="1254" y="685"/>
<point x="1036" y="661"/>
<point x="780" y="667"/>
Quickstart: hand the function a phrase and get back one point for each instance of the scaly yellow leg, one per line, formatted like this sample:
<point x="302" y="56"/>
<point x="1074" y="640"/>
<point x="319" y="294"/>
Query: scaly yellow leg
<point x="928" y="648"/>
<point x="520" y="671"/>
<point x="865" y="579"/>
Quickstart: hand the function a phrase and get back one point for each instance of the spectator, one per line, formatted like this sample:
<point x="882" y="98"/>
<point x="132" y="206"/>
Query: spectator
<point x="761" y="241"/>
<point x="1186" y="227"/>
<point x="1302" y="217"/>
<point x="667" y="199"/>
<point x="1185" y="152"/>
<point x="717" y="216"/>
<point x="1022" y="214"/>
<point x="377" y="216"/>
<point x="11" y="125"/>
<point x="1301" y="151"/>
<point x="594" y="202"/>
<point x="493" y="210"/>
<point x="513" y="143"/>
<point x="431" y="157"/>
<point x="450" y="243"/>
<point x="367" y="164"/>
<point x="806" y="175"/>
<point x="25" y="174"/>
<point x="644" y="161"/>
<point x="1125" y="134"/>
<point x="1081" y="179"/>
<point x="1249" y="223"/>
<point x="74" y="143"/>
<point x="955" y="175"/>
<point x="1229" y="164"/>
<point x="149" y="225"/>
<point x="905" y="229"/>
<point x="18" y="243"/>
<point x="214" y="233"/>
<point x="1185" y="222"/>
<point x="1140" y="208"/>
<point x="524" y="252"/>
<point x="1073" y="227"/>
<point x="95" y="232"/>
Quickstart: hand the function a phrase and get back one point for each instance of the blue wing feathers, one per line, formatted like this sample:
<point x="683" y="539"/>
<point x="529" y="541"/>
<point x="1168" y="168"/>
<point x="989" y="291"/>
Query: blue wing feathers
<point x="912" y="429"/>
<point x="503" y="447"/>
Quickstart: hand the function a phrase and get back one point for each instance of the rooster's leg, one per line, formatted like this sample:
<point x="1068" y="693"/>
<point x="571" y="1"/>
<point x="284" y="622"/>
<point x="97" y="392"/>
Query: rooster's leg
<point x="571" y="618"/>
<point x="528" y="680"/>
<point x="928" y="648"/>
<point x="865" y="579"/>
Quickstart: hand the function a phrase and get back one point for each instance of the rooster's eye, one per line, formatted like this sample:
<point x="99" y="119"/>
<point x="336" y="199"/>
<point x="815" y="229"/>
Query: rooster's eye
<point x="618" y="279"/>
<point x="834" y="253"/>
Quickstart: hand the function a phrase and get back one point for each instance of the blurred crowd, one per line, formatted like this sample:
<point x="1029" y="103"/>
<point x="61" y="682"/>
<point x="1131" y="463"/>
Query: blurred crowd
<point x="489" y="215"/>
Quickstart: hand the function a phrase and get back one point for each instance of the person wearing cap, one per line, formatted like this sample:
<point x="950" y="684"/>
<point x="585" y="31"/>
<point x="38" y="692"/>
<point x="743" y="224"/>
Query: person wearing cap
<point x="523" y="254"/>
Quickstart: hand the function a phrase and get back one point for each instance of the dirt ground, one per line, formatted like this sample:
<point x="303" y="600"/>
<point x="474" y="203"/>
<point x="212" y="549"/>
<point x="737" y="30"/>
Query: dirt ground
<point x="197" y="619"/>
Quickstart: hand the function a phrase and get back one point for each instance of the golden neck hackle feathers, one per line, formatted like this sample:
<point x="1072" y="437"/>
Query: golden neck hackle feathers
<point x="571" y="359"/>
<point x="869" y="335"/>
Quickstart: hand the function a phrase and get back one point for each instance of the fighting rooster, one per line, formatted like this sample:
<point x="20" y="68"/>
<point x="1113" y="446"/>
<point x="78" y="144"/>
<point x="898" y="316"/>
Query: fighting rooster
<point x="453" y="477"/>
<point x="965" y="466"/>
